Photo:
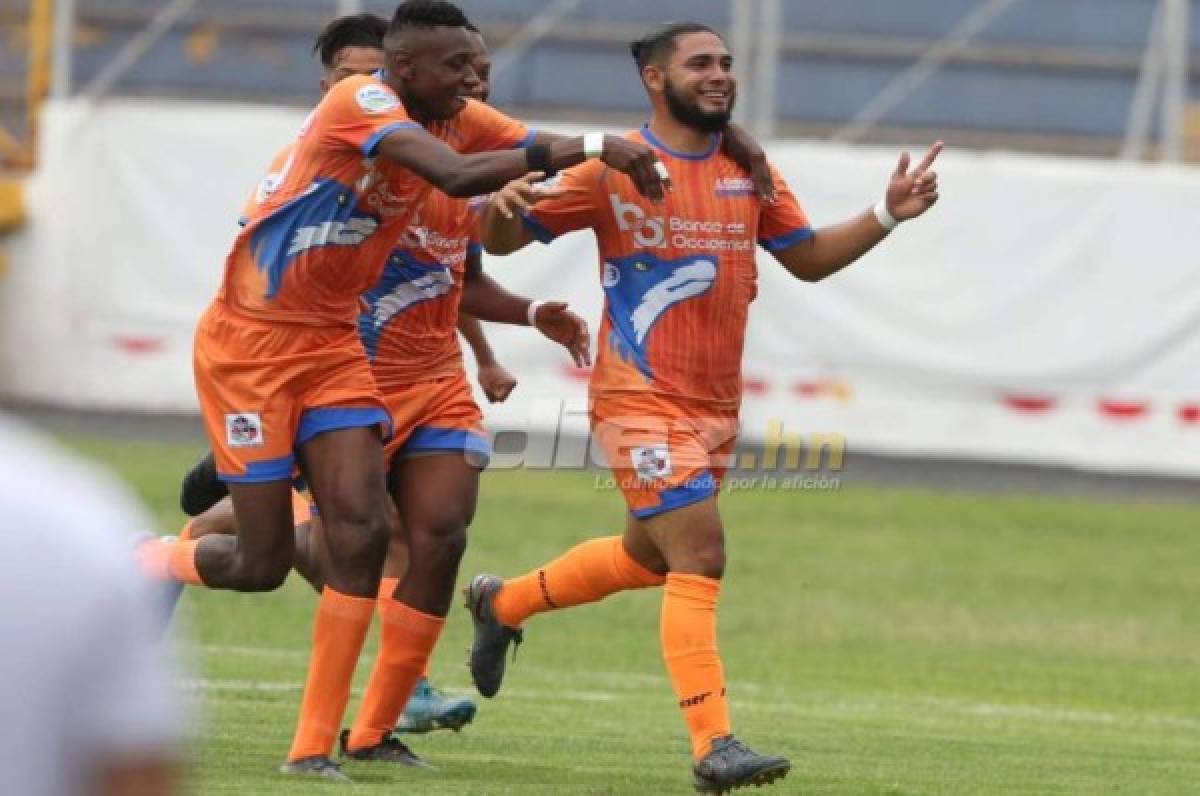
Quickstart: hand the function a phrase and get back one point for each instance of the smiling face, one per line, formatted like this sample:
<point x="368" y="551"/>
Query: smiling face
<point x="696" y="81"/>
<point x="482" y="64"/>
<point x="435" y="67"/>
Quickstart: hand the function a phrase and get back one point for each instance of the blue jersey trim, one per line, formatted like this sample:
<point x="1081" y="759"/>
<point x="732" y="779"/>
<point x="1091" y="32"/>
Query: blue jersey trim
<point x="527" y="141"/>
<point x="369" y="146"/>
<point x="263" y="471"/>
<point x="430" y="438"/>
<point x="700" y="487"/>
<point x="474" y="248"/>
<point x="336" y="418"/>
<point x="539" y="230"/>
<point x="786" y="241"/>
<point x="653" y="141"/>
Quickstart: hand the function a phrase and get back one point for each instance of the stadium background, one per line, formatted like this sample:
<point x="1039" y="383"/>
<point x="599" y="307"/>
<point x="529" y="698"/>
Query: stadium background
<point x="1038" y="330"/>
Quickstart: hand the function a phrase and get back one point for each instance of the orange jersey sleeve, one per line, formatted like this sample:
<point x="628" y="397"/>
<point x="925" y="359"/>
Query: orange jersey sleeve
<point x="478" y="127"/>
<point x="784" y="223"/>
<point x="577" y="208"/>
<point x="359" y="112"/>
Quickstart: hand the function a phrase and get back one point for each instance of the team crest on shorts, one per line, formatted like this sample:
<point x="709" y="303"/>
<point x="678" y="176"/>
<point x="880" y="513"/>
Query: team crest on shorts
<point x="651" y="462"/>
<point x="243" y="430"/>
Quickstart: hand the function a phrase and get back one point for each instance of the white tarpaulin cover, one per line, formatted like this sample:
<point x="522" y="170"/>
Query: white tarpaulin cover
<point x="1047" y="310"/>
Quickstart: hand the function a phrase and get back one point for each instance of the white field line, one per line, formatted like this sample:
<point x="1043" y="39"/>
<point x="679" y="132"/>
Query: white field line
<point x="947" y="706"/>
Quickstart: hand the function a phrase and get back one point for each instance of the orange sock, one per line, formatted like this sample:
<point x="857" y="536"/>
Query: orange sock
<point x="338" y="635"/>
<point x="181" y="561"/>
<point x="387" y="587"/>
<point x="584" y="574"/>
<point x="185" y="533"/>
<point x="406" y="640"/>
<point x="153" y="558"/>
<point x="689" y="644"/>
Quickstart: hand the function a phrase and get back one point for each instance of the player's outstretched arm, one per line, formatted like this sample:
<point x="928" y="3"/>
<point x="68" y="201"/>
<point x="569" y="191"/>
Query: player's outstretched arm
<point x="462" y="176"/>
<point x="487" y="300"/>
<point x="501" y="228"/>
<point x="832" y="248"/>
<point x="494" y="378"/>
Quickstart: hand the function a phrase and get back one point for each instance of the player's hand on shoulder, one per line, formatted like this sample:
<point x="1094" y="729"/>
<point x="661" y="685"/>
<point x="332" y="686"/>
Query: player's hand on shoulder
<point x="640" y="162"/>
<point x="523" y="193"/>
<point x="564" y="327"/>
<point x="743" y="150"/>
<point x="495" y="380"/>
<point x="911" y="193"/>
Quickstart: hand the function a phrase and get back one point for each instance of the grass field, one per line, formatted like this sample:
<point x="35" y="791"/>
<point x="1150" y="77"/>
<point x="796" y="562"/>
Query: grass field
<point x="888" y="641"/>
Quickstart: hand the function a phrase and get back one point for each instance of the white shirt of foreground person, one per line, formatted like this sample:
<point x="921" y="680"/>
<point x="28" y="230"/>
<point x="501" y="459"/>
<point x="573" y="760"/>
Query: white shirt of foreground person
<point x="88" y="699"/>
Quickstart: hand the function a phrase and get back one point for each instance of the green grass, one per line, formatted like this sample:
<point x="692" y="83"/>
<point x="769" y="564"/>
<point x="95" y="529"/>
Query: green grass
<point x="888" y="641"/>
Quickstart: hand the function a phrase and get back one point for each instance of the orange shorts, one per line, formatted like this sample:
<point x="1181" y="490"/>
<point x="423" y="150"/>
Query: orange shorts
<point x="666" y="452"/>
<point x="266" y="389"/>
<point x="436" y="415"/>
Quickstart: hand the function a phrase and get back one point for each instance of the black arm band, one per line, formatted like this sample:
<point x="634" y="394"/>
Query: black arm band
<point x="537" y="158"/>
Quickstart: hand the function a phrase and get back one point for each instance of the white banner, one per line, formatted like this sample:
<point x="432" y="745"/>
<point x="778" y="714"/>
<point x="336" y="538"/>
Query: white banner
<point x="1047" y="310"/>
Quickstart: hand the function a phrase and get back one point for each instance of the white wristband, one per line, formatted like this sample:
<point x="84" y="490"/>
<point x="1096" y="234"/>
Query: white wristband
<point x="593" y="145"/>
<point x="531" y="312"/>
<point x="886" y="219"/>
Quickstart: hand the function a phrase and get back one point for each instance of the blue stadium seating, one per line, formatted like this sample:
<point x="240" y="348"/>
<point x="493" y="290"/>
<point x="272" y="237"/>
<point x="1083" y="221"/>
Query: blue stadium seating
<point x="260" y="49"/>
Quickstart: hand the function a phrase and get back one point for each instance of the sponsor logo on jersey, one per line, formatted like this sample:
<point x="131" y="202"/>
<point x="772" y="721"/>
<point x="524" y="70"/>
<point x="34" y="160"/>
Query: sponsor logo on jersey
<point x="376" y="99"/>
<point x="244" y="430"/>
<point x="734" y="186"/>
<point x="681" y="233"/>
<point x="648" y="232"/>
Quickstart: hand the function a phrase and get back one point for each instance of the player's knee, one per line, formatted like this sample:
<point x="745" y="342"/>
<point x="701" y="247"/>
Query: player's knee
<point x="264" y="575"/>
<point x="440" y="546"/>
<point x="360" y="544"/>
<point x="709" y="562"/>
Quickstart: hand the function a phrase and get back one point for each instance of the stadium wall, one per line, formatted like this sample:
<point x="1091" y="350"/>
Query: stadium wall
<point x="1046" y="312"/>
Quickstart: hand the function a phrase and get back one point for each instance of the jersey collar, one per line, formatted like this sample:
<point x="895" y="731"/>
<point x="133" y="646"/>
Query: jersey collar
<point x="653" y="141"/>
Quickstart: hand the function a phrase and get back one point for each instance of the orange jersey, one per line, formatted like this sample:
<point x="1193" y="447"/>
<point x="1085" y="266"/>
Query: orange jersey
<point x="678" y="276"/>
<point x="322" y="238"/>
<point x="409" y="326"/>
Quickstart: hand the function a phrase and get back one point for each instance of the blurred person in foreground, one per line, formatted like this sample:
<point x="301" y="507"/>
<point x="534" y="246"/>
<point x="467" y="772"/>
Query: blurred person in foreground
<point x="678" y="278"/>
<point x="86" y="691"/>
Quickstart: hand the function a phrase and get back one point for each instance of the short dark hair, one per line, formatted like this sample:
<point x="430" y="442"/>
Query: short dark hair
<point x="659" y="44"/>
<point x="355" y="30"/>
<point x="427" y="14"/>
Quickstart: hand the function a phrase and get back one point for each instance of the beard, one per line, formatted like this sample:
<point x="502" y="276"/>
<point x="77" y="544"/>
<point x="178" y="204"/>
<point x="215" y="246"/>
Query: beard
<point x="688" y="112"/>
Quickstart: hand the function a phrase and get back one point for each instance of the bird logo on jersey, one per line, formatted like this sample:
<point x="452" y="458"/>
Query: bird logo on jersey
<point x="641" y="289"/>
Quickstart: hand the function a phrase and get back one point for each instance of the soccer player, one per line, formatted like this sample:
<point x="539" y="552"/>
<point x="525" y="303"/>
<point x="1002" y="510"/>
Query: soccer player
<point x="678" y="278"/>
<point x="282" y="376"/>
<point x="353" y="45"/>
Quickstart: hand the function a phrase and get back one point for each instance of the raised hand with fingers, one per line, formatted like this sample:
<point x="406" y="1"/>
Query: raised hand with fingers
<point x="523" y="193"/>
<point x="909" y="194"/>
<point x="640" y="163"/>
<point x="556" y="322"/>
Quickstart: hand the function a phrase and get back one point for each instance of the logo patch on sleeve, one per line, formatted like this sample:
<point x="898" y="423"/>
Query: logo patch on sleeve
<point x="651" y="462"/>
<point x="376" y="99"/>
<point x="244" y="430"/>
